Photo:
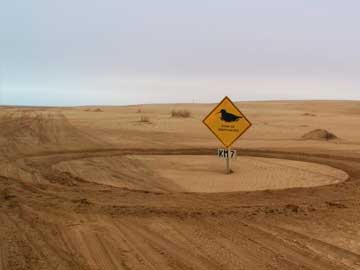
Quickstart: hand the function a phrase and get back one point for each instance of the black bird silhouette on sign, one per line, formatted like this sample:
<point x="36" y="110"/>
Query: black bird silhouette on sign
<point x="229" y="117"/>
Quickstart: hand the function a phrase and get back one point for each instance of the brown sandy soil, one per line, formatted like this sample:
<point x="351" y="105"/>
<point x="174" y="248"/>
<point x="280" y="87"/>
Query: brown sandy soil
<point x="81" y="190"/>
<point x="187" y="173"/>
<point x="206" y="173"/>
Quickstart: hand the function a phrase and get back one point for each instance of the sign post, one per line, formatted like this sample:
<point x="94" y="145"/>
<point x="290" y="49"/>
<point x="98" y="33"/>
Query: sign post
<point x="228" y="169"/>
<point x="227" y="123"/>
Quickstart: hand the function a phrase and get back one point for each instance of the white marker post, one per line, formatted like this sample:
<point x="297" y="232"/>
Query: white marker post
<point x="228" y="169"/>
<point x="227" y="154"/>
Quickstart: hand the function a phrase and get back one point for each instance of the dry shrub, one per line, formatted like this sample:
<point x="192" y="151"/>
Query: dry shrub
<point x="180" y="113"/>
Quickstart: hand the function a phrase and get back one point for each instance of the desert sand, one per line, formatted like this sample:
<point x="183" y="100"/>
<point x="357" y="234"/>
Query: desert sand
<point x="206" y="173"/>
<point x="133" y="188"/>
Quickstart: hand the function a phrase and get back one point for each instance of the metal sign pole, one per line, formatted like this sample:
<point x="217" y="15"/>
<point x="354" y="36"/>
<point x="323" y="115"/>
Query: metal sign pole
<point x="228" y="170"/>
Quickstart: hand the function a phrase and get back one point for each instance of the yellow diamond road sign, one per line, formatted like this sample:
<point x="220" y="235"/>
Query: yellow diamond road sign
<point x="227" y="122"/>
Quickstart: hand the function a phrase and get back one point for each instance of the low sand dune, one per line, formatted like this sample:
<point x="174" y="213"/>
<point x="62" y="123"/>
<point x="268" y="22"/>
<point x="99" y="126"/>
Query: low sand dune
<point x="319" y="134"/>
<point x="30" y="131"/>
<point x="201" y="173"/>
<point x="207" y="174"/>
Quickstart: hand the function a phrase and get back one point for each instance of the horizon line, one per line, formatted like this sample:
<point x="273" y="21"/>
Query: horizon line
<point x="175" y="103"/>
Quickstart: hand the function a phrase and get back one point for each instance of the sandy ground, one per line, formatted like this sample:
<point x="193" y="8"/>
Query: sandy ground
<point x="194" y="173"/>
<point x="101" y="190"/>
<point x="207" y="173"/>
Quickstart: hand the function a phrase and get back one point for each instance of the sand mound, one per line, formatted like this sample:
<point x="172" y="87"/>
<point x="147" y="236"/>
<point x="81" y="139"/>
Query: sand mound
<point x="94" y="110"/>
<point x="319" y="134"/>
<point x="97" y="110"/>
<point x="309" y="114"/>
<point x="32" y="131"/>
<point x="201" y="173"/>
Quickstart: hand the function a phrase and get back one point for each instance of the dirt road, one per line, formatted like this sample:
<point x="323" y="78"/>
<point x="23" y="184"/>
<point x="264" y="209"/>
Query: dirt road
<point x="53" y="218"/>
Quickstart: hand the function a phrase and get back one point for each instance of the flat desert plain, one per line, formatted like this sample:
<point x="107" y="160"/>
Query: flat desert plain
<point x="132" y="187"/>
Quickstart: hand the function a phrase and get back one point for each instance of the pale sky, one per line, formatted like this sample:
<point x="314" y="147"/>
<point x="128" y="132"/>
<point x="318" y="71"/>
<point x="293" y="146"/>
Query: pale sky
<point x="114" y="52"/>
